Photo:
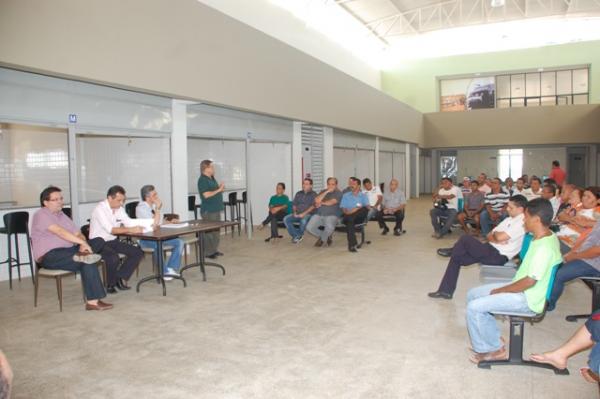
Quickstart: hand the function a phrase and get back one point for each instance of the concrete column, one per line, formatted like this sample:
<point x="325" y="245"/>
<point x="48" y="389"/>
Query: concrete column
<point x="407" y="169"/>
<point x="328" y="152"/>
<point x="376" y="177"/>
<point x="297" y="173"/>
<point x="179" y="166"/>
<point x="418" y="172"/>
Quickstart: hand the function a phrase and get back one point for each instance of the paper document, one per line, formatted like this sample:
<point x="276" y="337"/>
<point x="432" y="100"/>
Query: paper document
<point x="174" y="225"/>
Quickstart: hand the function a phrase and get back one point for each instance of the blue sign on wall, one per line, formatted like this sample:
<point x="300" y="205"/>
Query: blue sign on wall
<point x="72" y="118"/>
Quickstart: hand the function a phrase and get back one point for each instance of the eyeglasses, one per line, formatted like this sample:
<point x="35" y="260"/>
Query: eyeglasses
<point x="56" y="199"/>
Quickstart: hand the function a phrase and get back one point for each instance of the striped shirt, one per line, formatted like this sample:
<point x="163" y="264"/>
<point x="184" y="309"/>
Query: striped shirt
<point x="497" y="201"/>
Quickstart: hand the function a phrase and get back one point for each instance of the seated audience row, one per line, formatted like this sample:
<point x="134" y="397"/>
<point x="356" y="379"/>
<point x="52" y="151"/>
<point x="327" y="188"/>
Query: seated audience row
<point x="319" y="214"/>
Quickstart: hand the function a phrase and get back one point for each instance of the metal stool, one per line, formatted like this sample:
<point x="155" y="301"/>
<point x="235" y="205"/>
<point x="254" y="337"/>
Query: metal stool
<point x="232" y="204"/>
<point x="16" y="223"/>
<point x="192" y="205"/>
<point x="244" y="201"/>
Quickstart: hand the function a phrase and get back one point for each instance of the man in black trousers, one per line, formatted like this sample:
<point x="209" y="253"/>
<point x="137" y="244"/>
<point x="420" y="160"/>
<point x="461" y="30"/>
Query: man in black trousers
<point x="355" y="207"/>
<point x="504" y="242"/>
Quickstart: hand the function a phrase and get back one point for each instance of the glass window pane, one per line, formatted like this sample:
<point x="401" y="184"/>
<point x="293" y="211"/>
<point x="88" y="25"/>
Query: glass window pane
<point x="532" y="102"/>
<point x="517" y="102"/>
<point x="563" y="100"/>
<point x="532" y="85"/>
<point x="503" y="86"/>
<point x="548" y="100"/>
<point x="548" y="83"/>
<point x="503" y="103"/>
<point x="580" y="81"/>
<point x="580" y="99"/>
<point x="31" y="158"/>
<point x="517" y="85"/>
<point x="563" y="82"/>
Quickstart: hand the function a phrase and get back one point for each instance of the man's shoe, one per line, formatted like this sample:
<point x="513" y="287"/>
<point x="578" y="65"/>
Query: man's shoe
<point x="445" y="252"/>
<point x="111" y="289"/>
<point x="319" y="243"/>
<point x="172" y="272"/>
<point x="122" y="285"/>
<point x="329" y="241"/>
<point x="440" y="294"/>
<point x="105" y="305"/>
<point x="219" y="253"/>
<point x="352" y="249"/>
<point x="397" y="232"/>
<point x="212" y="256"/>
<point x="385" y="231"/>
<point x="90" y="259"/>
<point x="98" y="306"/>
<point x="167" y="278"/>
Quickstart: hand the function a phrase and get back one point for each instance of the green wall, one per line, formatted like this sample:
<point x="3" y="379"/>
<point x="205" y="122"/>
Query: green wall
<point x="414" y="82"/>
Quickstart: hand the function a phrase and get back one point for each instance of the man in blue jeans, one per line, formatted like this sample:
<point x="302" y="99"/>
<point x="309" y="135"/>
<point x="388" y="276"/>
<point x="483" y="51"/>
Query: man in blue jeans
<point x="149" y="208"/>
<point x="583" y="260"/>
<point x="303" y="207"/>
<point x="526" y="293"/>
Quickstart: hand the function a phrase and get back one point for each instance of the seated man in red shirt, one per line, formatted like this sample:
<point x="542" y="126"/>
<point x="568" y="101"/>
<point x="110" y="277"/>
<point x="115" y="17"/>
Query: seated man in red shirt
<point x="58" y="244"/>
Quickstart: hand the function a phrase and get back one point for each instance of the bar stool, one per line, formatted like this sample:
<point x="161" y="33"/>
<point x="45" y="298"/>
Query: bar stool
<point x="192" y="205"/>
<point x="232" y="204"/>
<point x="16" y="223"/>
<point x="244" y="201"/>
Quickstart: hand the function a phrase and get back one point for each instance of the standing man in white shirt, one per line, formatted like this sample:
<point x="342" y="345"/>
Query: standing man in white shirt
<point x="375" y="197"/>
<point x="445" y="206"/>
<point x="109" y="219"/>
<point x="504" y="242"/>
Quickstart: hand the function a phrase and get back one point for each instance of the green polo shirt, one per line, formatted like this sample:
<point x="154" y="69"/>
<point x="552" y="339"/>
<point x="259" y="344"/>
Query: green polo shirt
<point x="542" y="255"/>
<point x="214" y="203"/>
<point x="277" y="200"/>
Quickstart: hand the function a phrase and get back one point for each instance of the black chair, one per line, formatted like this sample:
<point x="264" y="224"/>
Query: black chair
<point x="232" y="204"/>
<point x="517" y="332"/>
<point x="67" y="211"/>
<point x="594" y="284"/>
<point x="16" y="223"/>
<point x="192" y="205"/>
<point x="244" y="201"/>
<point x="358" y="228"/>
<point x="130" y="209"/>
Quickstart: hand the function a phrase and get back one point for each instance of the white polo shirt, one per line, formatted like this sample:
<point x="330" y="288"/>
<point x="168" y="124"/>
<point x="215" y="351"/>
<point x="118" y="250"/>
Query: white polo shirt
<point x="373" y="195"/>
<point x="515" y="228"/>
<point x="104" y="219"/>
<point x="452" y="203"/>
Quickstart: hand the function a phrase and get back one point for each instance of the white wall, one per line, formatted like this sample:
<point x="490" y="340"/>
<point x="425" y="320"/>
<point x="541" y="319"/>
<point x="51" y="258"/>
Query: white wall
<point x="191" y="51"/>
<point x="282" y="25"/>
<point x="536" y="160"/>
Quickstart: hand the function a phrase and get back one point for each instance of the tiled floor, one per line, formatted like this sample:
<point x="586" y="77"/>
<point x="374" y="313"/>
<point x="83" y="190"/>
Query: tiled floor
<point x="287" y="321"/>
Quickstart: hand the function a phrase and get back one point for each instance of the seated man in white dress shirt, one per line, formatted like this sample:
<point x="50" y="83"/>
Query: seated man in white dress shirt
<point x="109" y="219"/>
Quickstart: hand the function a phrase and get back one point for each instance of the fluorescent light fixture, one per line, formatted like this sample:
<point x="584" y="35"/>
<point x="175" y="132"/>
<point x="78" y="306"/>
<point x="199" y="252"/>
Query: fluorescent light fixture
<point x="497" y="3"/>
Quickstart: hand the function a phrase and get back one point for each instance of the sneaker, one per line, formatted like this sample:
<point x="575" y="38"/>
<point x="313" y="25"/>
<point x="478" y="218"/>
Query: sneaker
<point x="298" y="240"/>
<point x="90" y="259"/>
<point x="172" y="271"/>
<point x="167" y="278"/>
<point x="329" y="241"/>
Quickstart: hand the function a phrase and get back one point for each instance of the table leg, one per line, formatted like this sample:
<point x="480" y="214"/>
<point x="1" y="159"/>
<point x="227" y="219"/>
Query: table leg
<point x="159" y="276"/>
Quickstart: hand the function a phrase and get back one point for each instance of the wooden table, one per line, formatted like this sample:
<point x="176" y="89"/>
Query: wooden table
<point x="161" y="234"/>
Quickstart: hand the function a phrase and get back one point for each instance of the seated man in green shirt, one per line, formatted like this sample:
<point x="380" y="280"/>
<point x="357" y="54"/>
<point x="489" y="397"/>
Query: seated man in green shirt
<point x="279" y="207"/>
<point x="526" y="293"/>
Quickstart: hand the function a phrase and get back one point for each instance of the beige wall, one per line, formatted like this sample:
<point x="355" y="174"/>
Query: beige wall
<point x="187" y="50"/>
<point x="513" y="126"/>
